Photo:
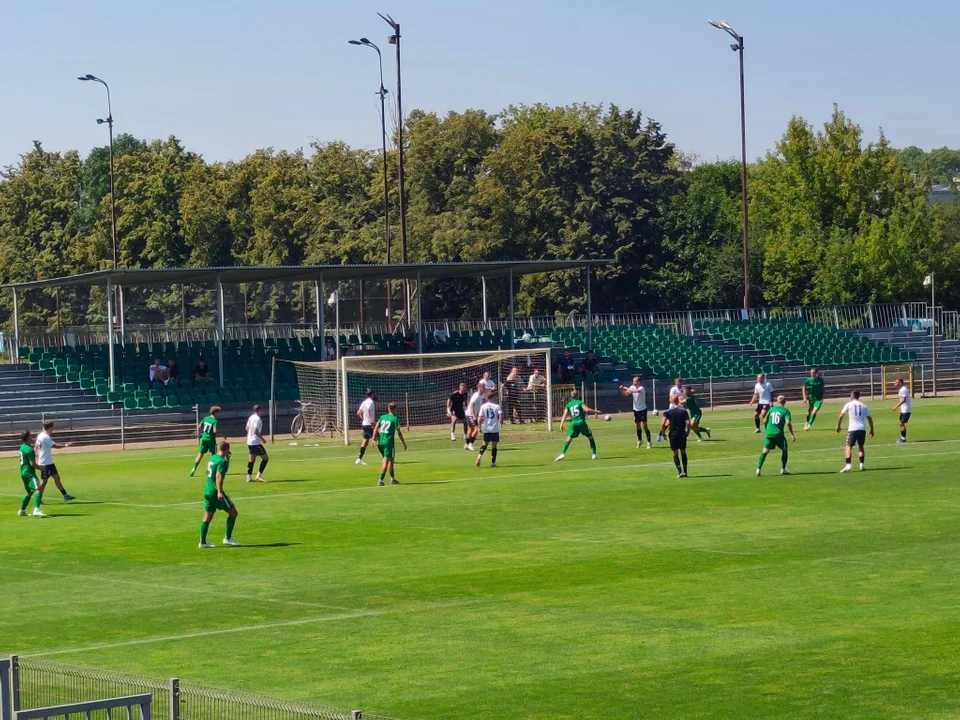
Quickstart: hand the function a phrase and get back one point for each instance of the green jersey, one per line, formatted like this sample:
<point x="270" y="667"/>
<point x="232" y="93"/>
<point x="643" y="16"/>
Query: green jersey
<point x="576" y="412"/>
<point x="691" y="404"/>
<point x="27" y="456"/>
<point x="777" y="420"/>
<point x="814" y="388"/>
<point x="216" y="464"/>
<point x="208" y="427"/>
<point x="387" y="429"/>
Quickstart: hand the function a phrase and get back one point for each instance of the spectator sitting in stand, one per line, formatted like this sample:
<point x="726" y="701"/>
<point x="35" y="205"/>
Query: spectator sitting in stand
<point x="440" y="335"/>
<point x="201" y="373"/>
<point x="566" y="367"/>
<point x="159" y="372"/>
<point x="329" y="351"/>
<point x="173" y="371"/>
<point x="589" y="366"/>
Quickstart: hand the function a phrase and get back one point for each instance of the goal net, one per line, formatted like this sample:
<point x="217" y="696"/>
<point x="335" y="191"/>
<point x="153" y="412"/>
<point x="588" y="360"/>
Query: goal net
<point x="331" y="392"/>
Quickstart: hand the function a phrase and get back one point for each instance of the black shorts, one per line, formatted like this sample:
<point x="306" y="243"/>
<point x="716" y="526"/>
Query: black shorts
<point x="762" y="408"/>
<point x="258" y="450"/>
<point x="856" y="437"/>
<point x="491" y="437"/>
<point x="459" y="416"/>
<point x="639" y="416"/>
<point x="471" y="422"/>
<point x="367" y="432"/>
<point x="48" y="471"/>
<point x="904" y="418"/>
<point x="678" y="442"/>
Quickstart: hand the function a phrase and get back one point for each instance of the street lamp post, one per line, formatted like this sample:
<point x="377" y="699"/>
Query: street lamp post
<point x="382" y="92"/>
<point x="737" y="47"/>
<point x="930" y="281"/>
<point x="395" y="40"/>
<point x="113" y="197"/>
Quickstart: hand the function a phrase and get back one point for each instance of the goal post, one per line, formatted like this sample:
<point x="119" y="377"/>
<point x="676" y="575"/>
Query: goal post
<point x="890" y="373"/>
<point x="421" y="385"/>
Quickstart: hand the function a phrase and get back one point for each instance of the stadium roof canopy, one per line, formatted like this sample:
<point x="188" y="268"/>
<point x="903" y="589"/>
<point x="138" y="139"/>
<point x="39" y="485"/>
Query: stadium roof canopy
<point x="300" y="273"/>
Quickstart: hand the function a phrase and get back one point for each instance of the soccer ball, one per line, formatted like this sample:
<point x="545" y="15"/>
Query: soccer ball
<point x="527" y="337"/>
<point x="608" y="418"/>
<point x="656" y="412"/>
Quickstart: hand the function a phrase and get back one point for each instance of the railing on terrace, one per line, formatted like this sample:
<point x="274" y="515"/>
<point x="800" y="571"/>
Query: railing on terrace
<point x="843" y="317"/>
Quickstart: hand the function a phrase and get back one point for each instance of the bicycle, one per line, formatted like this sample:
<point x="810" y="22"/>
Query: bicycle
<point x="310" y="419"/>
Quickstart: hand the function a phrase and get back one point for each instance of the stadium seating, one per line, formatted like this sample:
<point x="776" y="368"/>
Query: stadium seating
<point x="655" y="351"/>
<point x="808" y="343"/>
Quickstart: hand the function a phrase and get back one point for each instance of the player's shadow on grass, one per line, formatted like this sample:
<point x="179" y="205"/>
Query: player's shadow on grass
<point x="705" y="477"/>
<point x="426" y="482"/>
<point x="291" y="480"/>
<point x="261" y="546"/>
<point x="66" y="515"/>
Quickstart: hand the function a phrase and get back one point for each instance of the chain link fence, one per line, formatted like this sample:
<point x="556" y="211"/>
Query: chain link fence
<point x="36" y="683"/>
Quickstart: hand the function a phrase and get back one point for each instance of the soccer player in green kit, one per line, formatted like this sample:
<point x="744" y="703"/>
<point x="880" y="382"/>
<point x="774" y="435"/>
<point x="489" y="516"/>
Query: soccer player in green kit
<point x="28" y="473"/>
<point x="214" y="498"/>
<point x="812" y="396"/>
<point x="208" y="437"/>
<point x="577" y="411"/>
<point x="778" y="418"/>
<point x="388" y="428"/>
<point x="696" y="414"/>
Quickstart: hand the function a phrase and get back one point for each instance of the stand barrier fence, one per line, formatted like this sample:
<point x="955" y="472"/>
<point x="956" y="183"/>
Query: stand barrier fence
<point x="38" y="683"/>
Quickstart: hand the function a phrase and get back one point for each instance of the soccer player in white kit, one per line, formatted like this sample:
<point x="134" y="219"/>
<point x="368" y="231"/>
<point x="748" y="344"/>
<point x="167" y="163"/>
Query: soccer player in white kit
<point x="256" y="448"/>
<point x="491" y="416"/>
<point x="473" y="414"/>
<point x="639" y="396"/>
<point x="856" y="413"/>
<point x="763" y="396"/>
<point x="366" y="412"/>
<point x="905" y="406"/>
<point x="48" y="469"/>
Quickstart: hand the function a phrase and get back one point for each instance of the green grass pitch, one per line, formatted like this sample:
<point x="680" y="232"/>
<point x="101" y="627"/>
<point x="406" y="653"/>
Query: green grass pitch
<point x="582" y="589"/>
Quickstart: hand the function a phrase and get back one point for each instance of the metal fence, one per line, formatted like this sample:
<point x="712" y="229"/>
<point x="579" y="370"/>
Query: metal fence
<point x="37" y="683"/>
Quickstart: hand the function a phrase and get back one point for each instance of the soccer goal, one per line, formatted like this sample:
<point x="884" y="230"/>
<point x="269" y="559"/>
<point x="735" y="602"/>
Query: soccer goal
<point x="330" y="392"/>
<point x="890" y="373"/>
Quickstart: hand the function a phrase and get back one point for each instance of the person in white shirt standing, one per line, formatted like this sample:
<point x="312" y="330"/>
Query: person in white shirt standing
<point x="639" y="395"/>
<point x="856" y="413"/>
<point x="488" y="385"/>
<point x="763" y="397"/>
<point x="905" y="406"/>
<point x="537" y="383"/>
<point x="491" y="416"/>
<point x="44" y="448"/>
<point x="366" y="412"/>
<point x="256" y="448"/>
<point x="473" y="413"/>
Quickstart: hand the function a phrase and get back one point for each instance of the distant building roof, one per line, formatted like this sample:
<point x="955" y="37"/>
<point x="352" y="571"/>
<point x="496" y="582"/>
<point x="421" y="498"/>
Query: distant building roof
<point x="942" y="194"/>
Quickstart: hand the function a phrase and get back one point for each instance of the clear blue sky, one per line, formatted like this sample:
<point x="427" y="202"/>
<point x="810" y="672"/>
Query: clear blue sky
<point x="231" y="77"/>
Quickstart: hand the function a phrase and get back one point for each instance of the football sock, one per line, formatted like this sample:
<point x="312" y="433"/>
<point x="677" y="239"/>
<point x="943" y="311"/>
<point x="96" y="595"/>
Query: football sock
<point x="676" y="461"/>
<point x="698" y="431"/>
<point x="204" y="526"/>
<point x="363" y="449"/>
<point x="231" y="521"/>
<point x="493" y="455"/>
<point x="813" y="417"/>
<point x="762" y="460"/>
<point x="903" y="433"/>
<point x="194" y="468"/>
<point x="250" y="468"/>
<point x="593" y="445"/>
<point x="783" y="458"/>
<point x="382" y="474"/>
<point x="862" y="455"/>
<point x="483" y="449"/>
<point x="263" y="465"/>
<point x="683" y="457"/>
<point x="24" y="502"/>
<point x="566" y="446"/>
<point x="756" y="421"/>
<point x="37" y="500"/>
<point x="639" y="434"/>
<point x="648" y="434"/>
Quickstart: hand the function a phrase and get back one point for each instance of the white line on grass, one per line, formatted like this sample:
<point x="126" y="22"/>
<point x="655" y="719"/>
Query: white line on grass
<point x="252" y="628"/>
<point x="179" y="589"/>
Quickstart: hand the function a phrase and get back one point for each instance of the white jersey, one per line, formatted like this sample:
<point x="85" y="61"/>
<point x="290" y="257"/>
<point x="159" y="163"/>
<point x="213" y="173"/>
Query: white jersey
<point x="254" y="429"/>
<point x="44" y="449"/>
<point x="764" y="393"/>
<point x="488" y="384"/>
<point x="639" y="397"/>
<point x="676" y="392"/>
<point x="367" y="411"/>
<point x="490" y="417"/>
<point x="537" y="382"/>
<point x="473" y="406"/>
<point x="903" y="394"/>
<point x="856" y="413"/>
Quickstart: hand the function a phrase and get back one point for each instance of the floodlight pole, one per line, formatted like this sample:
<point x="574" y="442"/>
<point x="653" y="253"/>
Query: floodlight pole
<point x="317" y="291"/>
<point x="933" y="331"/>
<point x="113" y="379"/>
<point x="737" y="47"/>
<point x="513" y="333"/>
<point x="221" y="327"/>
<point x="395" y="40"/>
<point x="382" y="92"/>
<point x="589" y="313"/>
<point x="16" y="328"/>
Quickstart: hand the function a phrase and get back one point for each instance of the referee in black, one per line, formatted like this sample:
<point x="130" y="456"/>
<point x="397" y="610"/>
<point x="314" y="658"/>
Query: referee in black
<point x="677" y="421"/>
